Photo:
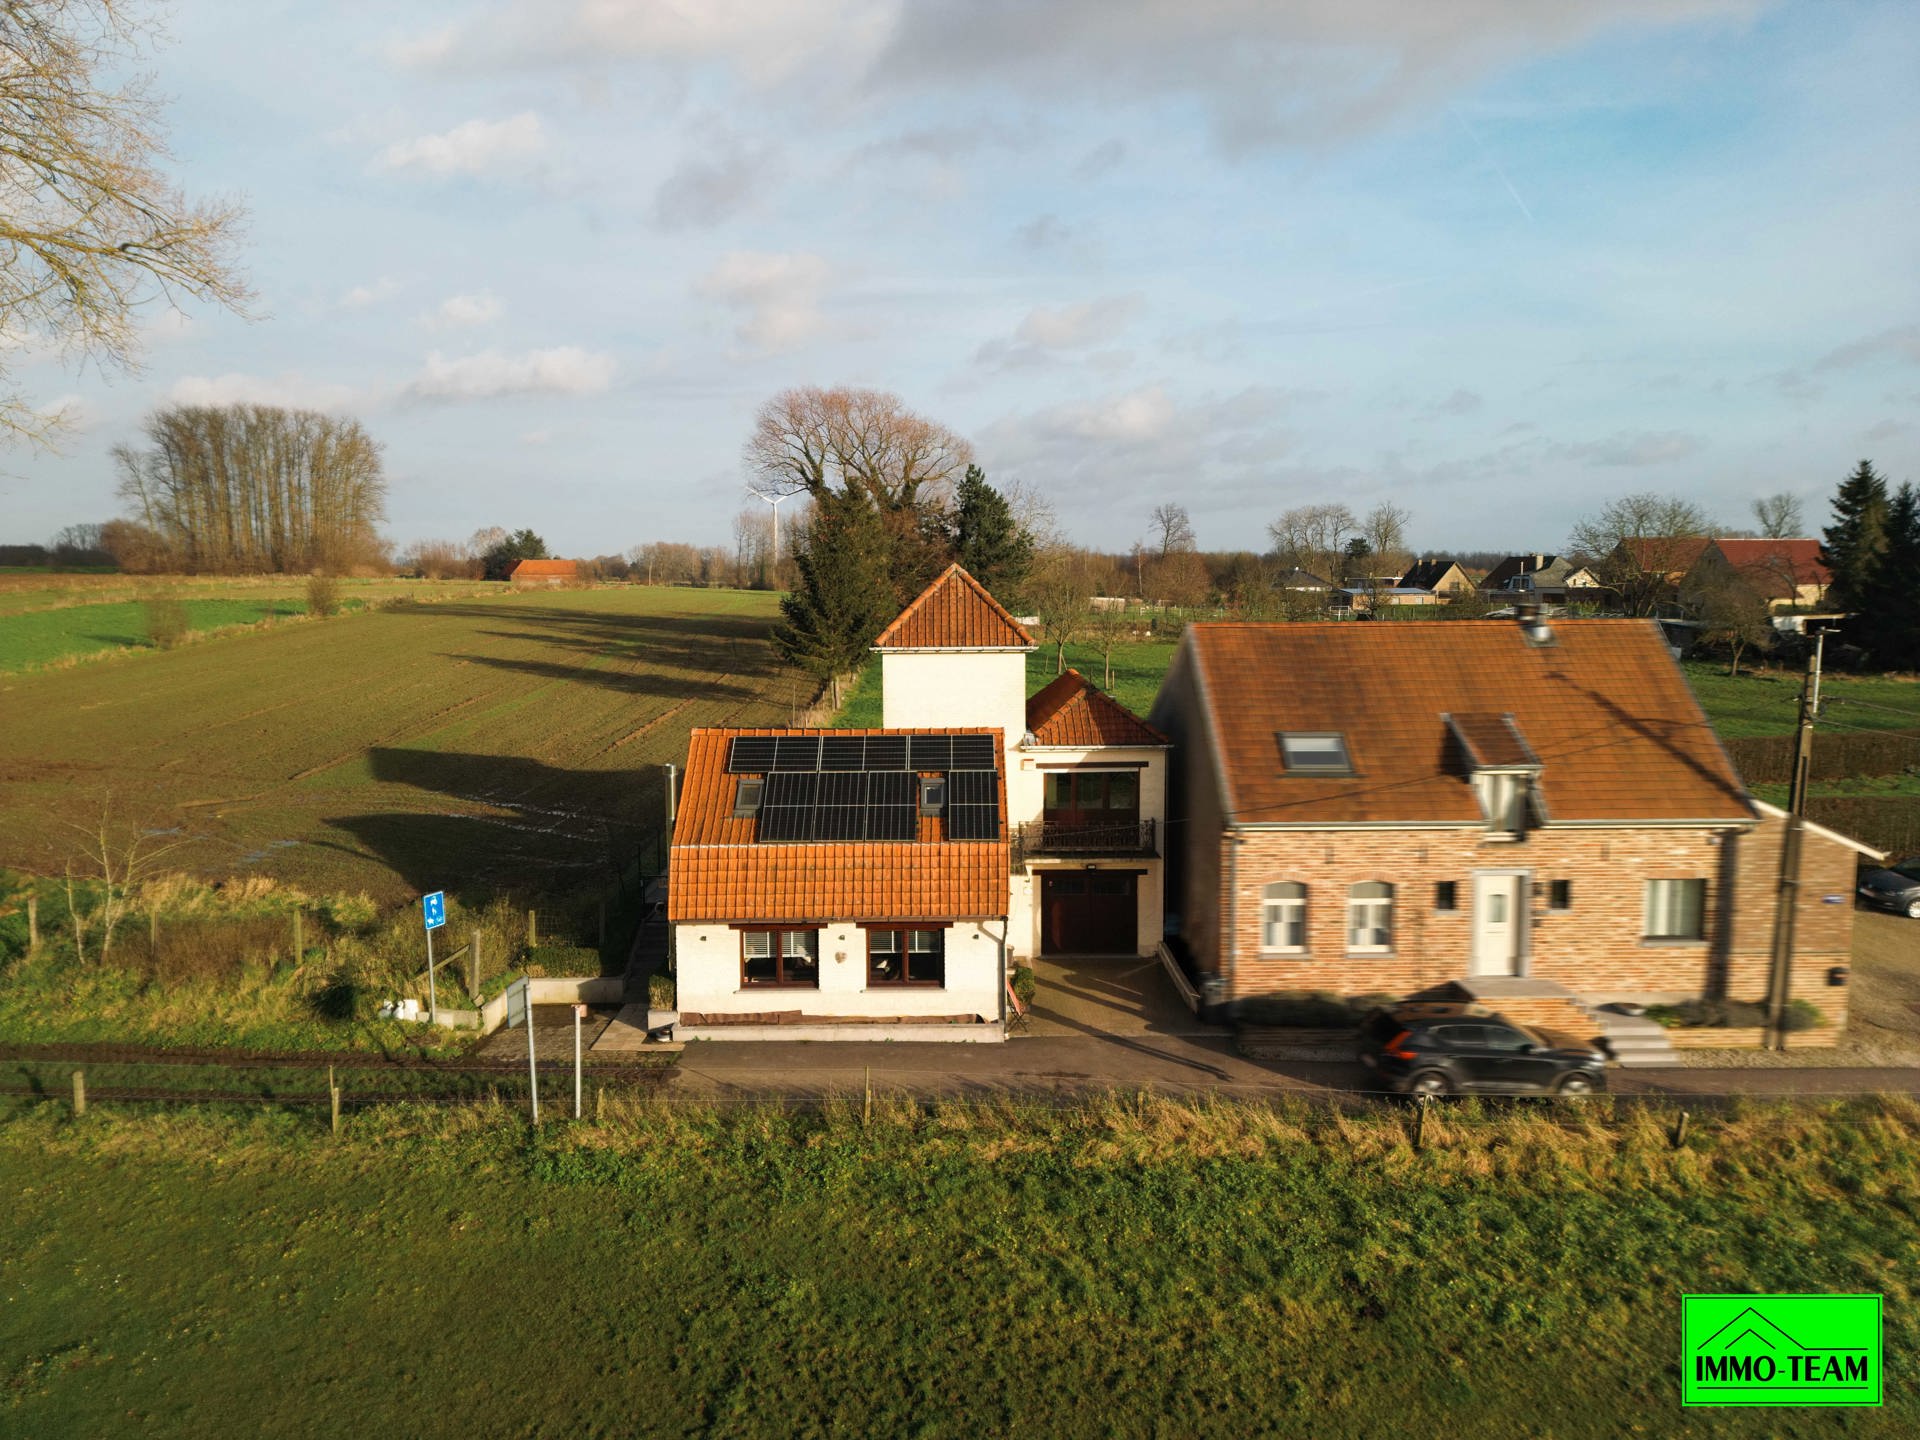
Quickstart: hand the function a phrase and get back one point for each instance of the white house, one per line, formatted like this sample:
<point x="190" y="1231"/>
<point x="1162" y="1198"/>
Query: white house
<point x="883" y="883"/>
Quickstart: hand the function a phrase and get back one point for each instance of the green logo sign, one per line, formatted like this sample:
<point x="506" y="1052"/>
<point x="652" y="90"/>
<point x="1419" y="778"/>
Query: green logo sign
<point x="1780" y="1350"/>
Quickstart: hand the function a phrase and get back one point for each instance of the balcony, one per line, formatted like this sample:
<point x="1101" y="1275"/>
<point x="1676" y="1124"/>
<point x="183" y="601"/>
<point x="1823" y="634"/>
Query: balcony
<point x="1084" y="838"/>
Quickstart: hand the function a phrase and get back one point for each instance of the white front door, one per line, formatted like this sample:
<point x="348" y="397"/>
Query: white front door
<point x="1499" y="912"/>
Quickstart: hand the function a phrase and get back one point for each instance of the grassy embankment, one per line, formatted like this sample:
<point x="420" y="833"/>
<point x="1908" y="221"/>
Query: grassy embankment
<point x="1128" y="1267"/>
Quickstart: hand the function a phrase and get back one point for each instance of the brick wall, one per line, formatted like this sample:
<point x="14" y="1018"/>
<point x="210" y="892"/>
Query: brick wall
<point x="1594" y="947"/>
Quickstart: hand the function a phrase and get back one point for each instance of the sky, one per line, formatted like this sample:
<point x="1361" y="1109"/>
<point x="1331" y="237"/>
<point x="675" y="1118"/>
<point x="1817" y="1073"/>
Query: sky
<point x="1497" y="261"/>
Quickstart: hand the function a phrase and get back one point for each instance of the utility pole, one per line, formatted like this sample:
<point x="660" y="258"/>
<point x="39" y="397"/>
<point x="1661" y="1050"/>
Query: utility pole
<point x="1786" y="904"/>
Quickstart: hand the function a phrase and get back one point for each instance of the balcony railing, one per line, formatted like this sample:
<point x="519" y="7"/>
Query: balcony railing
<point x="1081" y="837"/>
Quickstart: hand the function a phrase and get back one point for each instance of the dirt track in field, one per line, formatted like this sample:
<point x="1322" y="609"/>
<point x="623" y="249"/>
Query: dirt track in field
<point x="516" y="740"/>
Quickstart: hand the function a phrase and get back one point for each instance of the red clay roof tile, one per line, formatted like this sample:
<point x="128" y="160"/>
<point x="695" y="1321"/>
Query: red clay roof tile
<point x="1070" y="711"/>
<point x="534" y="569"/>
<point x="955" y="612"/>
<point x="1604" y="708"/>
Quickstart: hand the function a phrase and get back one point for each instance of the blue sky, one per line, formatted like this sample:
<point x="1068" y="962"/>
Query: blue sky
<point x="1495" y="260"/>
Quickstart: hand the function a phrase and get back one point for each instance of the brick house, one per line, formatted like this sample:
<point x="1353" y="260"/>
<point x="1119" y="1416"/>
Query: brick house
<point x="1786" y="574"/>
<point x="881" y="883"/>
<point x="1537" y="815"/>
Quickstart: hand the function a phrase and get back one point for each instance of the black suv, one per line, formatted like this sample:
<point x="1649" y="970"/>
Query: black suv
<point x="1437" y="1049"/>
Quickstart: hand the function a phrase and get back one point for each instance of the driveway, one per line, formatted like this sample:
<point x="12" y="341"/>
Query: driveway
<point x="1092" y="998"/>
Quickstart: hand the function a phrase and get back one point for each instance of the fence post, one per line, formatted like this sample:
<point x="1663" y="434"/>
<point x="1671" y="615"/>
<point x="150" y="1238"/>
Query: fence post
<point x="299" y="938"/>
<point x="473" y="965"/>
<point x="1680" y="1130"/>
<point x="33" y="923"/>
<point x="153" y="933"/>
<point x="533" y="931"/>
<point x="79" y="1092"/>
<point x="1420" y="1122"/>
<point x="333" y="1100"/>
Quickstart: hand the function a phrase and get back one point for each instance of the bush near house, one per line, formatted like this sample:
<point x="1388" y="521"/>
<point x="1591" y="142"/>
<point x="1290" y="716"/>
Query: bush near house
<point x="1734" y="1015"/>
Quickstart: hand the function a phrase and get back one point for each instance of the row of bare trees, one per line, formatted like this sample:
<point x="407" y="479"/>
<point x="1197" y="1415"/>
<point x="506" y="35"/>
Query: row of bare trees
<point x="242" y="488"/>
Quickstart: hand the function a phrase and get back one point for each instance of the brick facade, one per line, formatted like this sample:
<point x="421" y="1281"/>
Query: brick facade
<point x="1594" y="947"/>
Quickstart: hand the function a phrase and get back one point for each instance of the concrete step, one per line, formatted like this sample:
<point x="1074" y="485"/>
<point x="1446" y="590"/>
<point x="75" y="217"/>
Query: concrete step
<point x="1634" y="1040"/>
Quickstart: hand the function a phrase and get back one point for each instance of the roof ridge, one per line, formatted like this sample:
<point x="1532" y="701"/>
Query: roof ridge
<point x="955" y="572"/>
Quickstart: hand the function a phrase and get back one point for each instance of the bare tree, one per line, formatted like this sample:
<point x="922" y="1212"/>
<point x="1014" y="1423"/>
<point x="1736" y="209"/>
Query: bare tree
<point x="1173" y="528"/>
<point x="1314" y="538"/>
<point x="1731" y="611"/>
<point x="118" y="856"/>
<point x="1779" y="516"/>
<point x="1641" y="546"/>
<point x="1108" y="625"/>
<point x="1385" y="531"/>
<point x="92" y="230"/>
<point x="1180" y="580"/>
<point x="1061" y="587"/>
<point x="862" y="441"/>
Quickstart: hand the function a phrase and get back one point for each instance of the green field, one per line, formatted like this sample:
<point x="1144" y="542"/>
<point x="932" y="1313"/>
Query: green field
<point x="1131" y="1267"/>
<point x="516" y="741"/>
<point x="44" y="637"/>
<point x="1767" y="702"/>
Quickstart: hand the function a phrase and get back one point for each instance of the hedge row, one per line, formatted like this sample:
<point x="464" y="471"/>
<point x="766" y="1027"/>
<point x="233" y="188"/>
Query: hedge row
<point x="1768" y="759"/>
<point x="1890" y="823"/>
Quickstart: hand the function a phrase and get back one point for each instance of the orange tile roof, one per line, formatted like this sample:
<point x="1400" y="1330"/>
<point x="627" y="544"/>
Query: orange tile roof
<point x="1664" y="554"/>
<point x="533" y="569"/>
<point x="1070" y="711"/>
<point x="717" y="873"/>
<point x="1492" y="742"/>
<point x="955" y="612"/>
<point x="1778" y="565"/>
<point x="1604" y="708"/>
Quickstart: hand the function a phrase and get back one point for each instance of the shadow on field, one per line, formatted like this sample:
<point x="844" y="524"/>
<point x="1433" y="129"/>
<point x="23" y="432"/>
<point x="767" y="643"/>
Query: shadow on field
<point x="560" y="825"/>
<point x="666" y="684"/>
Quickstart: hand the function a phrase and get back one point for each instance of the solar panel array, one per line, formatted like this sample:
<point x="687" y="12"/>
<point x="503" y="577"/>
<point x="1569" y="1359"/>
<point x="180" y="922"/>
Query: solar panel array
<point x="865" y="787"/>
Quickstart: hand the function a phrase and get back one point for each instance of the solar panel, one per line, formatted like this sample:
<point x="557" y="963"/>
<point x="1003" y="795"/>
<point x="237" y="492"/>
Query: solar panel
<point x="931" y="752"/>
<point x="750" y="755"/>
<point x="886" y="752"/>
<point x="974" y="752"/>
<point x="797" y="752"/>
<point x="843" y="752"/>
<point x="787" y="806"/>
<point x="842" y="810"/>
<point x="893" y="804"/>
<point x="973" y="805"/>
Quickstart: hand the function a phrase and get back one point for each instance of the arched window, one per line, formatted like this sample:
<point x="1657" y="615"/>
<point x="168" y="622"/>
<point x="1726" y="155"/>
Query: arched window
<point x="1370" y="916"/>
<point x="1283" y="917"/>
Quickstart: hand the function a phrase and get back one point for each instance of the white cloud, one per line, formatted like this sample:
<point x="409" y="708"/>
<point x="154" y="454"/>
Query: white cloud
<point x="361" y="296"/>
<point x="1046" y="331"/>
<point x="1637" y="447"/>
<point x="1902" y="342"/>
<point x="480" y="309"/>
<point x="290" y="389"/>
<point x="721" y="176"/>
<point x="776" y="295"/>
<point x="564" y="370"/>
<point x="478" y="147"/>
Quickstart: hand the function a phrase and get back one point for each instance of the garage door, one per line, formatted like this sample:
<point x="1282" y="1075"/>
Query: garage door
<point x="1089" y="912"/>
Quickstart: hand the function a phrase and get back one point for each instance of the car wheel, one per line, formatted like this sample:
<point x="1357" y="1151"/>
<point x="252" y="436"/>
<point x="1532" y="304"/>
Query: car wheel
<point x="1913" y="909"/>
<point x="1576" y="1084"/>
<point x="1429" y="1084"/>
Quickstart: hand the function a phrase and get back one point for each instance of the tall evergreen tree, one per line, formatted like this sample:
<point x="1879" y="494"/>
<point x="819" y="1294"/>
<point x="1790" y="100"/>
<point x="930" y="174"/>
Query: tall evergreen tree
<point x="987" y="540"/>
<point x="1856" y="537"/>
<point x="843" y="596"/>
<point x="1891" y="616"/>
<point x="498" y="562"/>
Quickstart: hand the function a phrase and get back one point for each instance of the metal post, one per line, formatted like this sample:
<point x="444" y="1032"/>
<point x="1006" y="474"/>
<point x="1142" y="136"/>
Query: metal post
<point x="1819" y="650"/>
<point x="533" y="1070"/>
<point x="1786" y="905"/>
<point x="433" y="999"/>
<point x="579" y="1012"/>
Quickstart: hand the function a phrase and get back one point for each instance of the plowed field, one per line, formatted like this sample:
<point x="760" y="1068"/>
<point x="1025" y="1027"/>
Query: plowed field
<point x="514" y="741"/>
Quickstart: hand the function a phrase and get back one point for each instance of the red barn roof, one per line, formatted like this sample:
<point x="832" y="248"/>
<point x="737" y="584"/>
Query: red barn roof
<point x="545" y="569"/>
<point x="955" y="612"/>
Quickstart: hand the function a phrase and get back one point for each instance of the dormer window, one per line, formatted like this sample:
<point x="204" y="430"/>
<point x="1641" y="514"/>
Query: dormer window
<point x="1315" y="753"/>
<point x="746" y="796"/>
<point x="933" y="795"/>
<point x="1504" y="802"/>
<point x="1503" y="769"/>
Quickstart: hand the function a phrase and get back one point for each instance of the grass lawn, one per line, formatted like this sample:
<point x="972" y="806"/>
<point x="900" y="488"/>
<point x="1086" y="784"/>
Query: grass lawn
<point x="43" y="637"/>
<point x="1125" y="1268"/>
<point x="1768" y="702"/>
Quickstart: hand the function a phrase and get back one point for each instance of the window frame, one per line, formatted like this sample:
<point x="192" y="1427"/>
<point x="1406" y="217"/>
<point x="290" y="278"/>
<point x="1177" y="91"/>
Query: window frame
<point x="1356" y="902"/>
<point x="1446" y="895"/>
<point x="1288" y="765"/>
<point x="933" y="796"/>
<point x="1295" y="905"/>
<point x="1696" y="886"/>
<point x="748" y="785"/>
<point x="907" y="981"/>
<point x="1559" y="896"/>
<point x="778" y="946"/>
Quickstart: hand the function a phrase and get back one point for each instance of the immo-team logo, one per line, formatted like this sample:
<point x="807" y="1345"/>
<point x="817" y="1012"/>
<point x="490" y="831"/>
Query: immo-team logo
<point x="1799" y="1350"/>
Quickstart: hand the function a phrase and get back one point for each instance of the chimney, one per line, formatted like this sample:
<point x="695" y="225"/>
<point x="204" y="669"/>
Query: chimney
<point x="1526" y="612"/>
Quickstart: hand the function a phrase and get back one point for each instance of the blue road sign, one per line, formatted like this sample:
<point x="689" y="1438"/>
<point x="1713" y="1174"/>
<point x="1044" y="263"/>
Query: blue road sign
<point x="433" y="909"/>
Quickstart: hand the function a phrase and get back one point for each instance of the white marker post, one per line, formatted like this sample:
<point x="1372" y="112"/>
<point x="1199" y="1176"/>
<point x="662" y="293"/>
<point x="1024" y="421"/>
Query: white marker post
<point x="433" y="914"/>
<point x="579" y="1014"/>
<point x="533" y="1072"/>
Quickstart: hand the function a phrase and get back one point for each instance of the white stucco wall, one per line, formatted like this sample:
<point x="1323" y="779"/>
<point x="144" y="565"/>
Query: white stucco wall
<point x="708" y="969"/>
<point x="1023" y="918"/>
<point x="950" y="689"/>
<point x="1027" y="785"/>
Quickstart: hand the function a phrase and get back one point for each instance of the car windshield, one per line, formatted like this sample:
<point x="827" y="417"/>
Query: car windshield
<point x="1534" y="1037"/>
<point x="1908" y="871"/>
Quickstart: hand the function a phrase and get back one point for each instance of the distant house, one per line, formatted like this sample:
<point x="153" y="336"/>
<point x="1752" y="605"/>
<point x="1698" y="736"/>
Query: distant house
<point x="1787" y="574"/>
<point x="1361" y="599"/>
<point x="1666" y="558"/>
<point x="1538" y="818"/>
<point x="1301" y="581"/>
<point x="1443" y="578"/>
<point x="1550" y="579"/>
<point x="535" y="574"/>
